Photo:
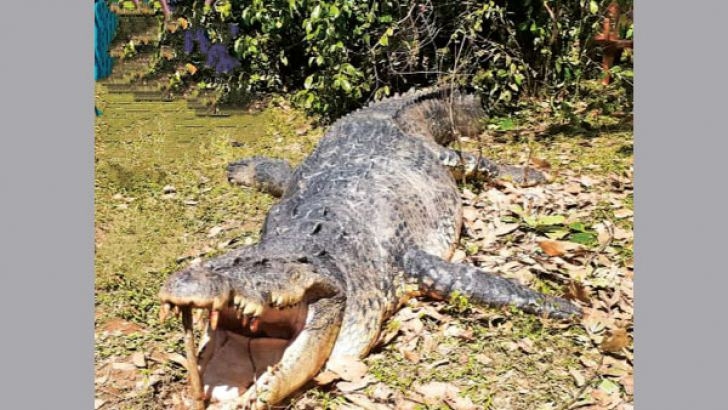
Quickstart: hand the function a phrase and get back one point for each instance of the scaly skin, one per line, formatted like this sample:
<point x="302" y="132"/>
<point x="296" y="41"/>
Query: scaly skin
<point x="369" y="219"/>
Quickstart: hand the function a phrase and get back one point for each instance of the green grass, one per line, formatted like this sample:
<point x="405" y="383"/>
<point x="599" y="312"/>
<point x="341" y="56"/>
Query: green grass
<point x="141" y="233"/>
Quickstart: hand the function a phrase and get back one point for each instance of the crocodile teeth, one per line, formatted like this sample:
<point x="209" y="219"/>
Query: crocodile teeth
<point x="254" y="324"/>
<point x="258" y="310"/>
<point x="164" y="311"/>
<point x="278" y="300"/>
<point x="253" y="309"/>
<point x="214" y="318"/>
<point x="238" y="300"/>
<point x="219" y="303"/>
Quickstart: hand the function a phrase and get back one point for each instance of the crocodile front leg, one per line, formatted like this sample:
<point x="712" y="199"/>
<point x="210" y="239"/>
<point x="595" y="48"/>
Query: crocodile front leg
<point x="472" y="166"/>
<point x="266" y="174"/>
<point x="439" y="277"/>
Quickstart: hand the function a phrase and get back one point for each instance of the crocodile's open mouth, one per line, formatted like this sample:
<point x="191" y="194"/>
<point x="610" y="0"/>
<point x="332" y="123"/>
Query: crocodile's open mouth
<point x="263" y="340"/>
<point x="241" y="348"/>
<point x="241" y="345"/>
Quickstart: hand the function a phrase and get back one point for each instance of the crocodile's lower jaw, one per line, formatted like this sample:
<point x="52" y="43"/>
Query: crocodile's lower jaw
<point x="239" y="350"/>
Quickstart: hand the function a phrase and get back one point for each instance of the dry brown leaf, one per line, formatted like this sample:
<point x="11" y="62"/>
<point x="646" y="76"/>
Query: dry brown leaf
<point x="348" y="387"/>
<point x="382" y="392"/>
<point x="623" y="213"/>
<point x="540" y="163"/>
<point x="214" y="231"/>
<point x="577" y="291"/>
<point x="350" y="368"/>
<point x="436" y="392"/>
<point x="362" y="402"/>
<point x="405" y="404"/>
<point x="579" y="378"/>
<point x="139" y="360"/>
<point x="587" y="181"/>
<point x="470" y="214"/>
<point x="505" y="229"/>
<point x="595" y="321"/>
<point x="412" y="356"/>
<point x="459" y="403"/>
<point x="414" y="326"/>
<point x="526" y="345"/>
<point x="458" y="256"/>
<point x="483" y="359"/>
<point x="615" y="341"/>
<point x="558" y="248"/>
<point x="191" y="68"/>
<point x="123" y="367"/>
<point x="177" y="358"/>
<point x="326" y="377"/>
<point x="573" y="188"/>
<point x="622" y="234"/>
<point x="628" y="383"/>
<point x="121" y="326"/>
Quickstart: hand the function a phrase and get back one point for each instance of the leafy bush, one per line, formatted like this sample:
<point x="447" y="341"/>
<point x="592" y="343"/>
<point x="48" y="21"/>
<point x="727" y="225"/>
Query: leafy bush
<point x="335" y="55"/>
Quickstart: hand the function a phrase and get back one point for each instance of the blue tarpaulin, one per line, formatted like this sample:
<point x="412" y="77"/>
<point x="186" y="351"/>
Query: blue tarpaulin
<point x="105" y="26"/>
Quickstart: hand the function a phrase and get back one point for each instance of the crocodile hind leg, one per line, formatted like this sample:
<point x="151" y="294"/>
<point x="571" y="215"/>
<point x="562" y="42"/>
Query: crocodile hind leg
<point x="438" y="277"/>
<point x="266" y="174"/>
<point x="471" y="166"/>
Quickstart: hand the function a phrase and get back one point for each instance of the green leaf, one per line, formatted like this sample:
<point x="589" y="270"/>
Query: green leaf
<point x="308" y="82"/>
<point x="506" y="124"/>
<point x="551" y="220"/>
<point x="384" y="40"/>
<point x="316" y="12"/>
<point x="557" y="234"/>
<point x="608" y="386"/>
<point x="593" y="7"/>
<point x="334" y="11"/>
<point x="584" y="238"/>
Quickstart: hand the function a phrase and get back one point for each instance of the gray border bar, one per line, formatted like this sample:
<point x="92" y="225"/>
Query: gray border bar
<point x="46" y="205"/>
<point x="680" y="218"/>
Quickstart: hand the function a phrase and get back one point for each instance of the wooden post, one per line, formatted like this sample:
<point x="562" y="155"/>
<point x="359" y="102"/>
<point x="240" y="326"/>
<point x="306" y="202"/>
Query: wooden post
<point x="609" y="39"/>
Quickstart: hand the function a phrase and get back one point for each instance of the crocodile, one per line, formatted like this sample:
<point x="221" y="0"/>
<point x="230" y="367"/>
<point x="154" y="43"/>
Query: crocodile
<point x="368" y="220"/>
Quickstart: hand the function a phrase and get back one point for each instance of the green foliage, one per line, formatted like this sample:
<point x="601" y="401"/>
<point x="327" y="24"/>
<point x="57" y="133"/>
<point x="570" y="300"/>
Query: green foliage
<point x="554" y="227"/>
<point x="335" y="55"/>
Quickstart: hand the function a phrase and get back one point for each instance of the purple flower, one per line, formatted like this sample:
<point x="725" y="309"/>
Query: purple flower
<point x="212" y="56"/>
<point x="226" y="64"/>
<point x="234" y="29"/>
<point x="189" y="45"/>
<point x="202" y="40"/>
